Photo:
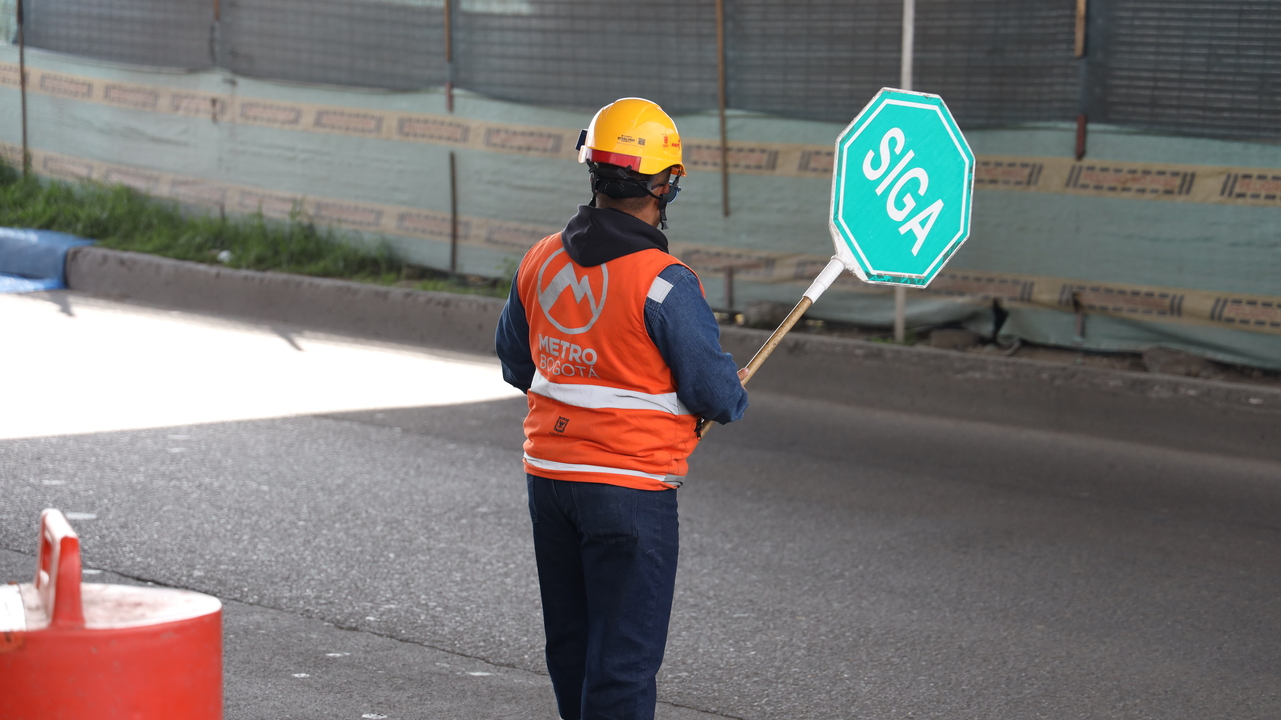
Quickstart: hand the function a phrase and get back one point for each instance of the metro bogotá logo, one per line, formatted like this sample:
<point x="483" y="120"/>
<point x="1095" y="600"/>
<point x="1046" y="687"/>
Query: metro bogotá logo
<point x="572" y="304"/>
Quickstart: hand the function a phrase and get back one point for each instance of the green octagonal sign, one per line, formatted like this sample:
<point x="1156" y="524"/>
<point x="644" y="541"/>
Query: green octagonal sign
<point x="902" y="184"/>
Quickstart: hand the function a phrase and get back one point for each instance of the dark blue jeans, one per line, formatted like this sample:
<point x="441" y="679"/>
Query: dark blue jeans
<point x="606" y="570"/>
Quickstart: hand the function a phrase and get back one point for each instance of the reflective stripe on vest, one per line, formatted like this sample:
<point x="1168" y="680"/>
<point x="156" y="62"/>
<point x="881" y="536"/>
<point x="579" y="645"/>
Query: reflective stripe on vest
<point x="602" y="397"/>
<point x="676" y="480"/>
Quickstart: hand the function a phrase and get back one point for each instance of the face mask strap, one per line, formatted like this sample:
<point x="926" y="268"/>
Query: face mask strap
<point x="673" y="189"/>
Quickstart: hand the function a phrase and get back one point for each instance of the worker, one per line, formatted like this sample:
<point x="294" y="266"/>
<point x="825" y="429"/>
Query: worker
<point x="619" y="354"/>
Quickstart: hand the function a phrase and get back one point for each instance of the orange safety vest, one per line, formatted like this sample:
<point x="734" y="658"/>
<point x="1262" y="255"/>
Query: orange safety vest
<point x="603" y="406"/>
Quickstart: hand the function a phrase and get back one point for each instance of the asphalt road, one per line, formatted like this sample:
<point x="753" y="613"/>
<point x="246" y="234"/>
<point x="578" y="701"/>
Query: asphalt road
<point x="837" y="561"/>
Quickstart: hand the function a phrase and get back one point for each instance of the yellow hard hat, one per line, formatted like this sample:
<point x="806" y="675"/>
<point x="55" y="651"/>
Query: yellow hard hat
<point x="635" y="134"/>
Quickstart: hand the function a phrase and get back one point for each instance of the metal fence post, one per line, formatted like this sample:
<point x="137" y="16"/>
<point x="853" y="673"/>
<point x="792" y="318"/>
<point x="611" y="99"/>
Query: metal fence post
<point x="22" y="86"/>
<point x="453" y="215"/>
<point x="905" y="83"/>
<point x="453" y="162"/>
<point x="1082" y="120"/>
<point x="215" y="32"/>
<point x="449" y="55"/>
<point x="720" y="85"/>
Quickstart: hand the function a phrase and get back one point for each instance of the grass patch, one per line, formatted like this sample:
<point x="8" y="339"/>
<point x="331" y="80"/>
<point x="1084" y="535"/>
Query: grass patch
<point x="123" y="219"/>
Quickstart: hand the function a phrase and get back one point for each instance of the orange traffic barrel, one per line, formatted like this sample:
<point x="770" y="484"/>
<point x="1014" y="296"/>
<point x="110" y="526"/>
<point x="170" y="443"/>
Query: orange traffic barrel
<point x="75" y="652"/>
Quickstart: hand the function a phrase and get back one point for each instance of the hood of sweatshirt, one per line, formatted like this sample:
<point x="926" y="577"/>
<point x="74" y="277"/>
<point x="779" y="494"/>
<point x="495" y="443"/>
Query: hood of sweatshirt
<point x="597" y="235"/>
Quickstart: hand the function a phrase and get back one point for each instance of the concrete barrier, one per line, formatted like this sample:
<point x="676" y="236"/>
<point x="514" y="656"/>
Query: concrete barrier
<point x="1163" y="410"/>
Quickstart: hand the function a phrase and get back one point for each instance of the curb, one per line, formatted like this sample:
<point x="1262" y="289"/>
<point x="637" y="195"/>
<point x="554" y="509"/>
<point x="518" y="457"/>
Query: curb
<point x="463" y="323"/>
<point x="1163" y="410"/>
